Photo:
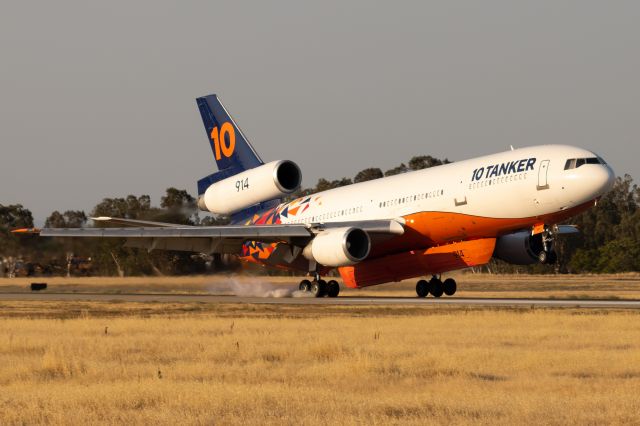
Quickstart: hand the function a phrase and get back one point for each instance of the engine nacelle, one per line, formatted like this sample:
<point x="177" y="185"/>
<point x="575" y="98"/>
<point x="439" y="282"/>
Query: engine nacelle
<point x="339" y="247"/>
<point x="266" y="182"/>
<point x="519" y="248"/>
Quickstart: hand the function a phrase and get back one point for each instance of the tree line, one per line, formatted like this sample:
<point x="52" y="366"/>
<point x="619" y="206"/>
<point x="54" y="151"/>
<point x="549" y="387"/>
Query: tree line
<point x="609" y="241"/>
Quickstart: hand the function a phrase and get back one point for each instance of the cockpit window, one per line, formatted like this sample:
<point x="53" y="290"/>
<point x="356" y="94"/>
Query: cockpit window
<point x="574" y="163"/>
<point x="570" y="164"/>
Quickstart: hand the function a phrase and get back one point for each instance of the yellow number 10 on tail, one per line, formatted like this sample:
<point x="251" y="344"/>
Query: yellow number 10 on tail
<point x="220" y="140"/>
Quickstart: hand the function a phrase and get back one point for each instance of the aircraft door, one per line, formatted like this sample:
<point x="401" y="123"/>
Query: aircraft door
<point x="461" y="195"/>
<point x="543" y="173"/>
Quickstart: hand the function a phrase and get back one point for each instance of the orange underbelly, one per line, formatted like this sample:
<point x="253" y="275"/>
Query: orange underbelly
<point x="415" y="263"/>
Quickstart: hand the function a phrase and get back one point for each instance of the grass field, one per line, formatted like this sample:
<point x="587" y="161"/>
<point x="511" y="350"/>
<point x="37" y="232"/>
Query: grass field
<point x="104" y="363"/>
<point x="87" y="362"/>
<point x="621" y="286"/>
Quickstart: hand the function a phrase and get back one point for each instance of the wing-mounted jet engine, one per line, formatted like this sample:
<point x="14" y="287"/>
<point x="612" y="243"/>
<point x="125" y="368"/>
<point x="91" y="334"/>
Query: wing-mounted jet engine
<point x="527" y="247"/>
<point x="336" y="247"/>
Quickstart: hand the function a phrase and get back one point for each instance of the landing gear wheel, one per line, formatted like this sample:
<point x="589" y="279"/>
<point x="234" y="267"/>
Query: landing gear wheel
<point x="319" y="288"/>
<point x="436" y="287"/>
<point x="449" y="286"/>
<point x="333" y="288"/>
<point x="552" y="257"/>
<point x="422" y="288"/>
<point x="543" y="257"/>
<point x="305" y="285"/>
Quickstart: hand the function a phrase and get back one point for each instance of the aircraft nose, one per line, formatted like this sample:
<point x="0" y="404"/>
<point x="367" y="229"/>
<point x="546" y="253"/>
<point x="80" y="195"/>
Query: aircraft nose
<point x="603" y="179"/>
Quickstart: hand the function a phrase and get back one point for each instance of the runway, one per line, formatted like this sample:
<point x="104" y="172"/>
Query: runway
<point x="341" y="301"/>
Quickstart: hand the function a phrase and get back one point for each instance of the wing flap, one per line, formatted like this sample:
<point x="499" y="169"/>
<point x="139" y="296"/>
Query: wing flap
<point x="196" y="245"/>
<point x="134" y="222"/>
<point x="383" y="226"/>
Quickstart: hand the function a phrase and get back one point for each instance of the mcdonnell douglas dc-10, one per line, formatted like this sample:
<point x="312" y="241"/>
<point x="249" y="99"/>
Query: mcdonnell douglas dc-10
<point x="422" y="223"/>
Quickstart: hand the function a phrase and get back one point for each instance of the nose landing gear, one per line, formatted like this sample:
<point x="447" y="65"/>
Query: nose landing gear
<point x="436" y="287"/>
<point x="547" y="255"/>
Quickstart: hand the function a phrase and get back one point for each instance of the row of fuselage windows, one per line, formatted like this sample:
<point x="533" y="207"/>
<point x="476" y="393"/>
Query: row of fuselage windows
<point x="330" y="215"/>
<point x="497" y="181"/>
<point x="411" y="198"/>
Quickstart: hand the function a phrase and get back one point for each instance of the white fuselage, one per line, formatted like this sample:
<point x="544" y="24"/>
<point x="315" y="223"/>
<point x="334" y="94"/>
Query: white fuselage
<point x="522" y="183"/>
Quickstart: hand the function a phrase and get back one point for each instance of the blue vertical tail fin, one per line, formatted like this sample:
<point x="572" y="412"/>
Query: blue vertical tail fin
<point x="231" y="150"/>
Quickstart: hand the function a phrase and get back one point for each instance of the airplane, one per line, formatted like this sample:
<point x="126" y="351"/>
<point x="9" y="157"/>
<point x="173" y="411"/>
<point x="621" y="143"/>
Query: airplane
<point x="418" y="224"/>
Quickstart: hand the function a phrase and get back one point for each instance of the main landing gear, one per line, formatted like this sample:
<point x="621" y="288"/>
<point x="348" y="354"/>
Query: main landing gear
<point x="436" y="287"/>
<point x="320" y="288"/>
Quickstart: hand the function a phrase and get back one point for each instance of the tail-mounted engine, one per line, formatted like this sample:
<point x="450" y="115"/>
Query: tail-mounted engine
<point x="267" y="182"/>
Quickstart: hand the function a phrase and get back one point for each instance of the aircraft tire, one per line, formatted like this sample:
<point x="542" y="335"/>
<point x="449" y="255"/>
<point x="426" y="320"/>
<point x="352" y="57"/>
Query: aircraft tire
<point x="436" y="287"/>
<point x="422" y="288"/>
<point x="305" y="285"/>
<point x="319" y="288"/>
<point x="449" y="286"/>
<point x="543" y="257"/>
<point x="333" y="288"/>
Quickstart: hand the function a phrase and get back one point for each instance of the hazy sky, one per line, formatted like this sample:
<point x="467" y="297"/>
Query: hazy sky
<point x="97" y="98"/>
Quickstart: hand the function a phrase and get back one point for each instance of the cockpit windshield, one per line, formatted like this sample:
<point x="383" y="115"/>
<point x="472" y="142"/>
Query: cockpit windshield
<point x="574" y="163"/>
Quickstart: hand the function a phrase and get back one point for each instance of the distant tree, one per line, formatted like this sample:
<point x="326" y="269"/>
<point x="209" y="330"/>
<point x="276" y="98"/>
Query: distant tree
<point x="368" y="174"/>
<point x="15" y="216"/>
<point x="109" y="254"/>
<point x="178" y="206"/>
<point x="12" y="217"/>
<point x="324" y="185"/>
<point x="402" y="168"/>
<point x="619" y="255"/>
<point x="425" y="162"/>
<point x="177" y="199"/>
<point x="131" y="207"/>
<point x="615" y="218"/>
<point x="68" y="219"/>
<point x="215" y="221"/>
<point x="55" y="220"/>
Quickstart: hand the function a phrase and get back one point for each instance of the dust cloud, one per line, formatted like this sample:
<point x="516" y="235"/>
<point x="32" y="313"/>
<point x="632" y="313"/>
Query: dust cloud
<point x="256" y="287"/>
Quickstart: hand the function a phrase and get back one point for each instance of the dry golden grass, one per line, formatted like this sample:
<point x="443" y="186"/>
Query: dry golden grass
<point x="295" y="365"/>
<point x="621" y="286"/>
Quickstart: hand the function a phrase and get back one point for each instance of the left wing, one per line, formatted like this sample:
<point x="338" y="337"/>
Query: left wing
<point x="203" y="239"/>
<point x="218" y="239"/>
